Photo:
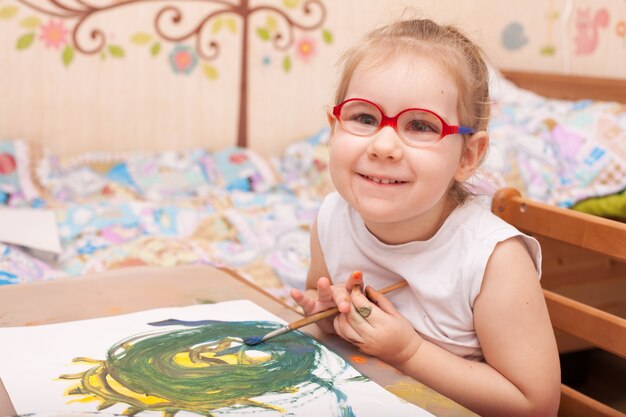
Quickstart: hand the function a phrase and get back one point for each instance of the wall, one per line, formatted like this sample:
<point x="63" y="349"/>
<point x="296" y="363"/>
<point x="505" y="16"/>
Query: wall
<point x="142" y="91"/>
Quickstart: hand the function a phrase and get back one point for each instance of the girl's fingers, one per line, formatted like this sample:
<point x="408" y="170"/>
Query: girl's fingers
<point x="362" y="308"/>
<point x="324" y="289"/>
<point x="381" y="301"/>
<point x="346" y="331"/>
<point x="354" y="280"/>
<point x="303" y="300"/>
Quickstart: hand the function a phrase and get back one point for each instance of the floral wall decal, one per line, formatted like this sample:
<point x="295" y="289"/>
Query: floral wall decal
<point x="73" y="29"/>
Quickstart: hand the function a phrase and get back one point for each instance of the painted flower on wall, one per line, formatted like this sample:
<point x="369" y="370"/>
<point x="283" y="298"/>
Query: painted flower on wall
<point x="305" y="48"/>
<point x="183" y="59"/>
<point x="54" y="34"/>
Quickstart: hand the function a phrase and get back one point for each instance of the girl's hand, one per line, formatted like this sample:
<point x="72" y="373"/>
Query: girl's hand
<point x="375" y="326"/>
<point x="327" y="296"/>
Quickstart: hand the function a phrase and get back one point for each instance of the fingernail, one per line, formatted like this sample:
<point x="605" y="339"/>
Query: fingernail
<point x="357" y="275"/>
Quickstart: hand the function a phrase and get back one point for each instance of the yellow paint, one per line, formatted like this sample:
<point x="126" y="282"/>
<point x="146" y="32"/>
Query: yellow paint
<point x="144" y="398"/>
<point x="183" y="359"/>
<point x="423" y="396"/>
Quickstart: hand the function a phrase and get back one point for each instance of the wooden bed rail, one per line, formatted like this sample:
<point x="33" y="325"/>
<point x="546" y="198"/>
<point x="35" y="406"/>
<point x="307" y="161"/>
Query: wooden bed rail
<point x="604" y="236"/>
<point x="590" y="323"/>
<point x="569" y="87"/>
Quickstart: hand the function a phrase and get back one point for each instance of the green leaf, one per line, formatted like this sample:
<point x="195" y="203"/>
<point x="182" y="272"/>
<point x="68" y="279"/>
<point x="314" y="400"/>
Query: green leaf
<point x="231" y="25"/>
<point x="156" y="48"/>
<point x="141" y="38"/>
<point x="25" y="41"/>
<point x="217" y="25"/>
<point x="291" y="4"/>
<point x="272" y="23"/>
<point x="116" y="51"/>
<point x="68" y="55"/>
<point x="31" y="22"/>
<point x="263" y="34"/>
<point x="287" y="63"/>
<point x="8" y="12"/>
<point x="327" y="36"/>
<point x="210" y="71"/>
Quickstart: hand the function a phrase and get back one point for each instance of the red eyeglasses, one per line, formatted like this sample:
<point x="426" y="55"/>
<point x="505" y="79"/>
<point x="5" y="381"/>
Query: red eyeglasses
<point x="416" y="127"/>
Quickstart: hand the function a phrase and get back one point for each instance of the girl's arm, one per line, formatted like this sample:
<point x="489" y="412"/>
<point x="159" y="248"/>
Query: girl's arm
<point x="320" y="292"/>
<point x="521" y="375"/>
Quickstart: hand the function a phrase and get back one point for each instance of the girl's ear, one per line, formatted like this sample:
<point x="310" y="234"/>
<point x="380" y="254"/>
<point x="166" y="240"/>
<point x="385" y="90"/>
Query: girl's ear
<point x="473" y="153"/>
<point x="331" y="119"/>
<point x="331" y="122"/>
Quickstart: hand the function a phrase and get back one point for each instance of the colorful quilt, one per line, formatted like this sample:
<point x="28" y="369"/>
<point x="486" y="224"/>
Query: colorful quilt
<point x="237" y="209"/>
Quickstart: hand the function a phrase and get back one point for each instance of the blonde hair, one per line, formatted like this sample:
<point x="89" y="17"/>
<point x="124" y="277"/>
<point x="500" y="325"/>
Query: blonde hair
<point x="452" y="49"/>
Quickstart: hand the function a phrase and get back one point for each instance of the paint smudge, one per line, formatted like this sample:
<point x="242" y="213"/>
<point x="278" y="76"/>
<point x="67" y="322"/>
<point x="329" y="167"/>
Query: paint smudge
<point x="358" y="359"/>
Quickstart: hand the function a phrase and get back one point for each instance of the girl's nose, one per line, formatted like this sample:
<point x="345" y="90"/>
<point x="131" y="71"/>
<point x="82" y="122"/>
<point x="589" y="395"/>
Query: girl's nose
<point x="385" y="144"/>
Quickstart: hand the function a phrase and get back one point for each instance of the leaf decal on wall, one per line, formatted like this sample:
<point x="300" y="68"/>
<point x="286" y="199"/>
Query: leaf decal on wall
<point x="68" y="55"/>
<point x="287" y="63"/>
<point x="25" y="41"/>
<point x="272" y="23"/>
<point x="291" y="4"/>
<point x="231" y="25"/>
<point x="156" y="48"/>
<point x="263" y="33"/>
<point x="210" y="71"/>
<point x="116" y="51"/>
<point x="217" y="26"/>
<point x="31" y="22"/>
<point x="327" y="36"/>
<point x="8" y="12"/>
<point x="141" y="38"/>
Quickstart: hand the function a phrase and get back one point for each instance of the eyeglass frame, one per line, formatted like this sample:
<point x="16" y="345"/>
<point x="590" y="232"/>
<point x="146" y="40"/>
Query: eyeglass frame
<point x="446" y="129"/>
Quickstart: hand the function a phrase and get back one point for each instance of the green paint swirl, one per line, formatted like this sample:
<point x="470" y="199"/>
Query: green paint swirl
<point x="217" y="371"/>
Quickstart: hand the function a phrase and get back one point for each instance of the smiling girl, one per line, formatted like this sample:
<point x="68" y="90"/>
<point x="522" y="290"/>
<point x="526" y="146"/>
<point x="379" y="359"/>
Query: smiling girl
<point x="408" y="129"/>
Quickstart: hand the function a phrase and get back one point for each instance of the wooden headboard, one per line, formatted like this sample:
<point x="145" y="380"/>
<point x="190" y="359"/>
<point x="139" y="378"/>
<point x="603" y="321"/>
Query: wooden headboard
<point x="569" y="87"/>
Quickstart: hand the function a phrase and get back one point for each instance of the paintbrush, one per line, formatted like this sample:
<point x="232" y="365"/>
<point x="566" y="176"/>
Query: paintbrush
<point x="313" y="318"/>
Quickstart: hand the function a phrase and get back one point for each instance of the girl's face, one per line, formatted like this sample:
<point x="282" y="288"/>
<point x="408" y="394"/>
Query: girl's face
<point x="399" y="190"/>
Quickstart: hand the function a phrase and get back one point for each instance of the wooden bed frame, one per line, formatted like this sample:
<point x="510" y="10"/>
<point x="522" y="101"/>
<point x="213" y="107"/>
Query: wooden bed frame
<point x="584" y="260"/>
<point x="569" y="87"/>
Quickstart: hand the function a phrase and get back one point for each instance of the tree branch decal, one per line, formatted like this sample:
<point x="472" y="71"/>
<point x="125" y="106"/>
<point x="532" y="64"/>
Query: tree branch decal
<point x="72" y="27"/>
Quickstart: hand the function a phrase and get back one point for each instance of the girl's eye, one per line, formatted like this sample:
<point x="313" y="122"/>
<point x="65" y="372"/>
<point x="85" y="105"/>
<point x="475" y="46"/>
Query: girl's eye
<point x="365" y="119"/>
<point x="420" y="126"/>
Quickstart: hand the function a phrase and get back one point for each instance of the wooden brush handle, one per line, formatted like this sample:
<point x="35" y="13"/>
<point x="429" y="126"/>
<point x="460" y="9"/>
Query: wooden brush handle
<point x="305" y="321"/>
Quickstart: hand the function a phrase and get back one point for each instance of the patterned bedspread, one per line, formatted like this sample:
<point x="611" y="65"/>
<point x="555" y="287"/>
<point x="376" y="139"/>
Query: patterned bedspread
<point x="236" y="209"/>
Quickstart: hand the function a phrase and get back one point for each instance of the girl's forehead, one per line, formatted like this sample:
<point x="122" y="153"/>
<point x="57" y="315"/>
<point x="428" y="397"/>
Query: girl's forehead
<point x="405" y="81"/>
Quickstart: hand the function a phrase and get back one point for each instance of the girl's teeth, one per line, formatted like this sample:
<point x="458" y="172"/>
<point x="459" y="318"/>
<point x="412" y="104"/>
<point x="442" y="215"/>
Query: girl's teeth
<point x="383" y="181"/>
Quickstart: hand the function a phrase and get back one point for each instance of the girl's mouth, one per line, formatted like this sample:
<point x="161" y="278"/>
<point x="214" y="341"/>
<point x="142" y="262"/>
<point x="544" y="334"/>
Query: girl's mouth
<point x="382" y="180"/>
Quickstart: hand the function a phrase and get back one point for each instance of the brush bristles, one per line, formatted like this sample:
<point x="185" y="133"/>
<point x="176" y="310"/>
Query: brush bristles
<point x="253" y="340"/>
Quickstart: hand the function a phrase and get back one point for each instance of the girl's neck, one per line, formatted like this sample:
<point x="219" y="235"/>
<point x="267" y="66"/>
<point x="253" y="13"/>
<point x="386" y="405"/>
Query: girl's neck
<point x="419" y="228"/>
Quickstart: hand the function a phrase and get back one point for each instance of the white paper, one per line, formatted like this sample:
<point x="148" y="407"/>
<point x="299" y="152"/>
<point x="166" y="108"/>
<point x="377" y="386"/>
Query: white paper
<point x="33" y="228"/>
<point x="33" y="358"/>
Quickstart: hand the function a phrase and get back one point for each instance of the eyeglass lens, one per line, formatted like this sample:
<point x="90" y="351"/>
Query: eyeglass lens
<point x="418" y="127"/>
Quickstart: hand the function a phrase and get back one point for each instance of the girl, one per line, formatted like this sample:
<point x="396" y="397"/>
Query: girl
<point x="407" y="130"/>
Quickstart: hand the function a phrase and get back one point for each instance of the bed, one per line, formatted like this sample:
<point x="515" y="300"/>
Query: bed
<point x="238" y="209"/>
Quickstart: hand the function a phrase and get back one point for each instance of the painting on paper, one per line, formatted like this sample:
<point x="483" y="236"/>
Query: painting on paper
<point x="186" y="361"/>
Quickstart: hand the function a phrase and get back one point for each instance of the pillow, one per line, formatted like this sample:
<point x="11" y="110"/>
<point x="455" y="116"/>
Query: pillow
<point x="611" y="206"/>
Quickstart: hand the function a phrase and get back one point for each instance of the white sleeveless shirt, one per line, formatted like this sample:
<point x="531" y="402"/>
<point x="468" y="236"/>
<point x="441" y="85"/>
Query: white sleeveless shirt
<point x="444" y="273"/>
